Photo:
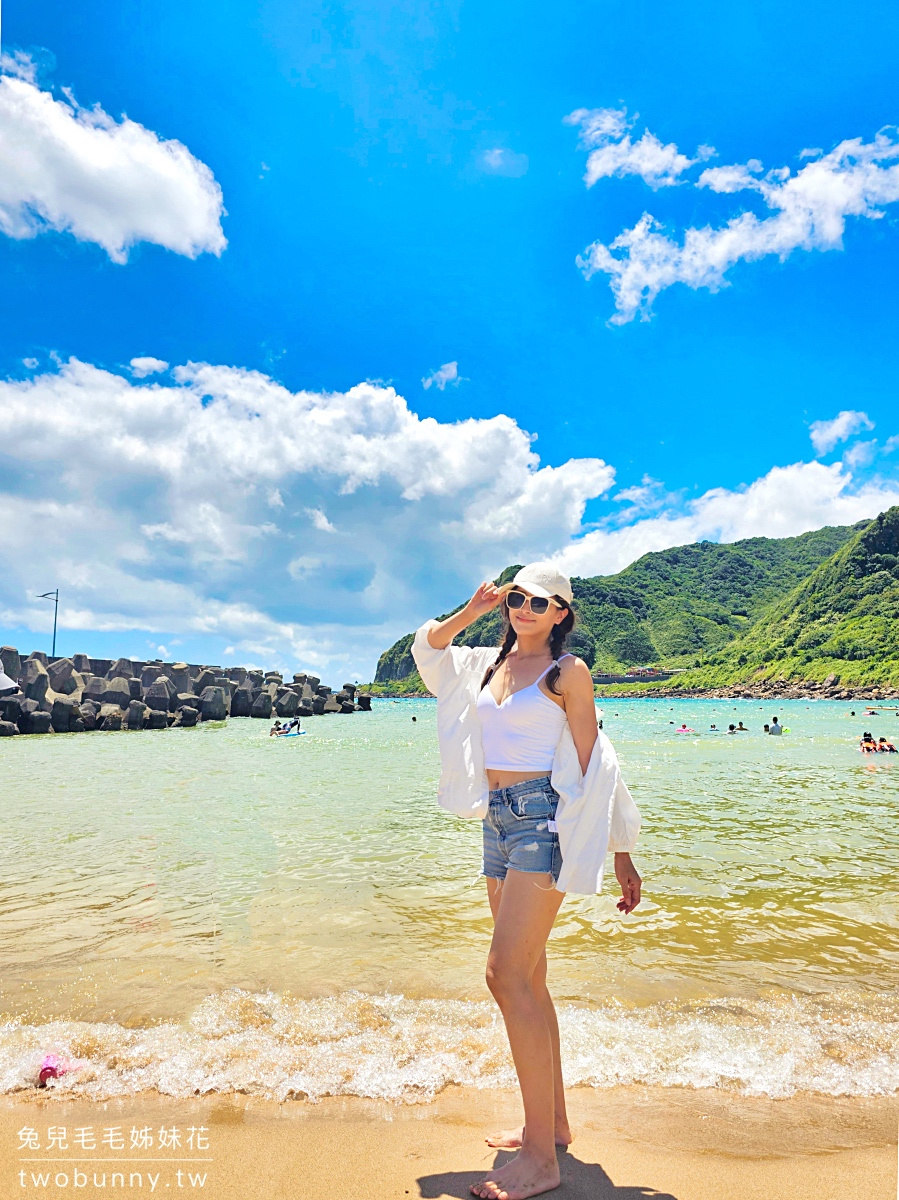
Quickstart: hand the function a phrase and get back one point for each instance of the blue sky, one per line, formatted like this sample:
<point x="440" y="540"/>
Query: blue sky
<point x="402" y="192"/>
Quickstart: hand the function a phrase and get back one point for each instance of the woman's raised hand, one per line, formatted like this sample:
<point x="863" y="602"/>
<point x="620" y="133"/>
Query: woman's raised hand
<point x="485" y="598"/>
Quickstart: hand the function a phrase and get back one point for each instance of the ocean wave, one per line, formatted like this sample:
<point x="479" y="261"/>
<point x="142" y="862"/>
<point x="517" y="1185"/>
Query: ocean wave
<point x="405" y="1050"/>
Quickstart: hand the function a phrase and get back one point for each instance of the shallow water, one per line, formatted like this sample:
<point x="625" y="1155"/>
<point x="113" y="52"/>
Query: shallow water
<point x="214" y="909"/>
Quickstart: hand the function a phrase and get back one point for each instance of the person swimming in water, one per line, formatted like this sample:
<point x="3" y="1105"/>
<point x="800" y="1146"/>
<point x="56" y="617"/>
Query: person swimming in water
<point x="885" y="747"/>
<point x="275" y="730"/>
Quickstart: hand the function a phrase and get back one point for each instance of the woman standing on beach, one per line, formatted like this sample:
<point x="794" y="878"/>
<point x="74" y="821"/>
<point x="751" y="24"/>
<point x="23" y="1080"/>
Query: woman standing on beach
<point x="520" y="748"/>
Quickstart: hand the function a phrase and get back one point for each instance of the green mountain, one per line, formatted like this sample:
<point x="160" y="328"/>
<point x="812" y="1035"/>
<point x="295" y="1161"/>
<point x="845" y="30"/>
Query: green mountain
<point x="674" y="605"/>
<point x="839" y="626"/>
<point x="671" y="608"/>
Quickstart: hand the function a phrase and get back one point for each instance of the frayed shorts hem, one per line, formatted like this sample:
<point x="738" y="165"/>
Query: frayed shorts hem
<point x="520" y="871"/>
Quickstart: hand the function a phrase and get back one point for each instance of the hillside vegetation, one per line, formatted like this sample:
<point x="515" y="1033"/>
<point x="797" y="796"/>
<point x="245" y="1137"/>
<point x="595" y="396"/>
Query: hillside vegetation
<point x="671" y="608"/>
<point x="840" y="626"/>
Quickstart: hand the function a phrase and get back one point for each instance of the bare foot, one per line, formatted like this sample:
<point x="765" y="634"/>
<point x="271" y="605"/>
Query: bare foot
<point x="524" y="1176"/>
<point x="511" y="1139"/>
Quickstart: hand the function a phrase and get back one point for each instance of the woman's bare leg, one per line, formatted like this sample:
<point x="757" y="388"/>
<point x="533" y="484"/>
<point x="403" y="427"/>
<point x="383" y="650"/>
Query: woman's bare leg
<point x="510" y="1139"/>
<point x="528" y="905"/>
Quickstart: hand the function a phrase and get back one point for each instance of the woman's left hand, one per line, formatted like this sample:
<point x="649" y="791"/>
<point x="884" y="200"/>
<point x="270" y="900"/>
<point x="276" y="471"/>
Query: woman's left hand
<point x="626" y="874"/>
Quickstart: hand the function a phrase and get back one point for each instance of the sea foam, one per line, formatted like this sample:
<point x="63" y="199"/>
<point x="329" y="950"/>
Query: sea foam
<point x="408" y="1050"/>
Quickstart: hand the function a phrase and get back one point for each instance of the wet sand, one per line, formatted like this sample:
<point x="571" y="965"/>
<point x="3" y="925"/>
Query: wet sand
<point x="672" y="1144"/>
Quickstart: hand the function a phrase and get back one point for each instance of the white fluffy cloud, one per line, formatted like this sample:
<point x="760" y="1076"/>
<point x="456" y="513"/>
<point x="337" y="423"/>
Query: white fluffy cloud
<point x="311" y="529"/>
<point x="142" y="367"/>
<point x="809" y="211"/>
<point x="320" y="520"/>
<point x="785" y="502"/>
<point x="115" y="183"/>
<point x="612" y="152"/>
<point x="199" y="506"/>
<point x="860" y="454"/>
<point x="827" y="434"/>
<point x="448" y="373"/>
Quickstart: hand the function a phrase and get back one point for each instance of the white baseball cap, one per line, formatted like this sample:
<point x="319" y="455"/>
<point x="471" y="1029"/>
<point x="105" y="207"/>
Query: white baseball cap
<point x="543" y="579"/>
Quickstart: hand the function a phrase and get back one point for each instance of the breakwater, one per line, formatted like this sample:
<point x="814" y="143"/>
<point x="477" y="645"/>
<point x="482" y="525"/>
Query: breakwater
<point x="78" y="694"/>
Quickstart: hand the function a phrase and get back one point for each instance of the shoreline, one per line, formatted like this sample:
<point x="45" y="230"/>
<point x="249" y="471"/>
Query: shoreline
<point x="634" y="1142"/>
<point x="799" y="692"/>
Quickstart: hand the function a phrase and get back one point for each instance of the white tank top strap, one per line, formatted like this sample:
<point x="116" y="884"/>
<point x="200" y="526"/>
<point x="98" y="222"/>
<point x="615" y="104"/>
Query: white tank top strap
<point x="556" y="661"/>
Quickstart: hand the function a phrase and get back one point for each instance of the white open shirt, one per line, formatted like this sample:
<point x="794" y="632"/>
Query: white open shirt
<point x="595" y="813"/>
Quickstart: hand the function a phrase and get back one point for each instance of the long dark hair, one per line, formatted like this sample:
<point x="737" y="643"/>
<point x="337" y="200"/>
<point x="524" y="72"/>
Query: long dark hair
<point x="557" y="640"/>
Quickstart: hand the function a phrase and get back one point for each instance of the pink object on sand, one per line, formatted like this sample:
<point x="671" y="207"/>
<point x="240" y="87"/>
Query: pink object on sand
<point x="53" y="1067"/>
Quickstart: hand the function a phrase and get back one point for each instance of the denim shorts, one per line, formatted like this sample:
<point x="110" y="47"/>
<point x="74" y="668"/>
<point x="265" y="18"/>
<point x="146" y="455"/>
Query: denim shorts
<point x="517" y="833"/>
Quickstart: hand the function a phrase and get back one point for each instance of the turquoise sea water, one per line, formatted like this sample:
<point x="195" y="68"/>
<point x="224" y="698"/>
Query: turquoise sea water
<point x="212" y="909"/>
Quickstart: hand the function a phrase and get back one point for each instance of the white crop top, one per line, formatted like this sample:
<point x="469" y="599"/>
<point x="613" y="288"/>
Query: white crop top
<point x="522" y="733"/>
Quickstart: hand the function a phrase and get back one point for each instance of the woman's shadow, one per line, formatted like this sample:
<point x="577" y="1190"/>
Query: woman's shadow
<point x="580" y="1181"/>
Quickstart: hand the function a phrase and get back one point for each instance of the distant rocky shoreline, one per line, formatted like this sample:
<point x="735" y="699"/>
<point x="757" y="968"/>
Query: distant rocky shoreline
<point x="829" y="689"/>
<point x="78" y="694"/>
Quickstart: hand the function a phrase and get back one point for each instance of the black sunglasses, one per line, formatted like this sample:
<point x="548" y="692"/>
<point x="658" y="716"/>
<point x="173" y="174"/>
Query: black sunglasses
<point x="539" y="604"/>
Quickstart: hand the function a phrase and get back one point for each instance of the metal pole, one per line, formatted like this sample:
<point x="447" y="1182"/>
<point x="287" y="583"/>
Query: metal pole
<point x="55" y="597"/>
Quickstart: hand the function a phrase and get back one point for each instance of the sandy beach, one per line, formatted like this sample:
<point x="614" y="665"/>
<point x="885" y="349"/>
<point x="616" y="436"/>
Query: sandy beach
<point x="630" y="1143"/>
